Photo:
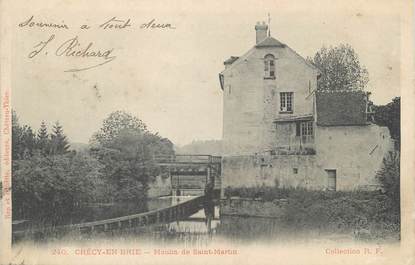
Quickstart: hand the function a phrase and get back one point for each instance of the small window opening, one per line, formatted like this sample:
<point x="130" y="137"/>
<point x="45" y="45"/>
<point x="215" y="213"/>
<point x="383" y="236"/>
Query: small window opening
<point x="269" y="66"/>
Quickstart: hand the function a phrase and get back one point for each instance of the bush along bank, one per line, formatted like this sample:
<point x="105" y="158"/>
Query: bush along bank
<point x="364" y="215"/>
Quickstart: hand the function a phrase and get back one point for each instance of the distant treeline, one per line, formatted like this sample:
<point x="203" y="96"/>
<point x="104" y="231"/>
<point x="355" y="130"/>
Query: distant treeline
<point x="50" y="180"/>
<point x="201" y="147"/>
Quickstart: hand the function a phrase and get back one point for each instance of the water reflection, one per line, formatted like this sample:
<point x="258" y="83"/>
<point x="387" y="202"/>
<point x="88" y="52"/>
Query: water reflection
<point x="102" y="211"/>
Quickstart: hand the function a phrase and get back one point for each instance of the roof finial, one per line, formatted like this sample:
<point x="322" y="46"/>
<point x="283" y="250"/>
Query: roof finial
<point x="269" y="25"/>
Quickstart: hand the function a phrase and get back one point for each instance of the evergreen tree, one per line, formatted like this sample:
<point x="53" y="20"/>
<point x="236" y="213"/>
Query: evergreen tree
<point x="23" y="139"/>
<point x="59" y="142"/>
<point x="42" y="139"/>
<point x="17" y="145"/>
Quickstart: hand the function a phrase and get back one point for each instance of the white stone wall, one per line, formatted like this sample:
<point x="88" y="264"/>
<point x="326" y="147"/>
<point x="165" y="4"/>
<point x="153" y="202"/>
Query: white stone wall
<point x="251" y="103"/>
<point x="355" y="152"/>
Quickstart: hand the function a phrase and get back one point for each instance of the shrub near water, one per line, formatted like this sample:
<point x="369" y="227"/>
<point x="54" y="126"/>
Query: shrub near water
<point x="333" y="212"/>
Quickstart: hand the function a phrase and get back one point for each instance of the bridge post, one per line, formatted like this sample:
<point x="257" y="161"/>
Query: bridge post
<point x="208" y="173"/>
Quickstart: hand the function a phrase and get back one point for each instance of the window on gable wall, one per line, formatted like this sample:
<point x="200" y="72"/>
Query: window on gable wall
<point x="286" y="101"/>
<point x="269" y="63"/>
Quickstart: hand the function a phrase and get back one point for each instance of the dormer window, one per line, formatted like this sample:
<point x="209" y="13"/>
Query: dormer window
<point x="269" y="69"/>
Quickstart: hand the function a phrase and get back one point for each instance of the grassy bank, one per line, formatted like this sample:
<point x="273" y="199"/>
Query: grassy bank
<point x="363" y="214"/>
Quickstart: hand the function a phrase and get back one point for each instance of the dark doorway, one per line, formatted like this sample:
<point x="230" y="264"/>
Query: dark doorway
<point x="332" y="179"/>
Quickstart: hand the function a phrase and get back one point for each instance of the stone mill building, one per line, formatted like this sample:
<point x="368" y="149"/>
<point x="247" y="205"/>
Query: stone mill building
<point x="279" y="129"/>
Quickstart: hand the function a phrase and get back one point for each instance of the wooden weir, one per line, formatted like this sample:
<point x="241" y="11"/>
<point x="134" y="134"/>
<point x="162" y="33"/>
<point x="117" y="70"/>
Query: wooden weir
<point x="180" y="211"/>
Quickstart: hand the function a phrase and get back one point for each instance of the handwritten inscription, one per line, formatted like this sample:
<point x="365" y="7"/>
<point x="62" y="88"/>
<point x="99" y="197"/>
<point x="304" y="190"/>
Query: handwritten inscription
<point x="115" y="23"/>
<point x="88" y="50"/>
<point x="31" y="23"/>
<point x="73" y="48"/>
<point x="40" y="46"/>
<point x="152" y="24"/>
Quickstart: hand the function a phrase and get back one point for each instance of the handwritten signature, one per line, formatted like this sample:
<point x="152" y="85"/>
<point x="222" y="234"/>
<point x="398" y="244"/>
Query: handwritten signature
<point x="73" y="48"/>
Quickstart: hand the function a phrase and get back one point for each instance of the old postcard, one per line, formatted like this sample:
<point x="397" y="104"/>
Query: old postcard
<point x="207" y="132"/>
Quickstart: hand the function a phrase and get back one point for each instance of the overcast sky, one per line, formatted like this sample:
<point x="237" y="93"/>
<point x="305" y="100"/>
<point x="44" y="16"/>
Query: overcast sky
<point x="169" y="78"/>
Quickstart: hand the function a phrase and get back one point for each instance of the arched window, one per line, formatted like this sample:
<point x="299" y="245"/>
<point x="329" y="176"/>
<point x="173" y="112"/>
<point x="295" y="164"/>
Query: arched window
<point x="269" y="61"/>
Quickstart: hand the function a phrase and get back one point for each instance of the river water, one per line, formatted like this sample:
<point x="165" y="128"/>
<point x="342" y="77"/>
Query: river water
<point x="102" y="211"/>
<point x="193" y="229"/>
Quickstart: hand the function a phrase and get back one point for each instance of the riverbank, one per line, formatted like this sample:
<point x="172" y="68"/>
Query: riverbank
<point x="271" y="212"/>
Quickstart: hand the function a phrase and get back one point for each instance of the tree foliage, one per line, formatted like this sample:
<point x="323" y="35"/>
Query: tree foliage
<point x="340" y="69"/>
<point x="51" y="182"/>
<point x="58" y="142"/>
<point x="48" y="180"/>
<point x="42" y="140"/>
<point x="23" y="140"/>
<point x="213" y="147"/>
<point x="114" y="123"/>
<point x="305" y="210"/>
<point x="390" y="115"/>
<point x="389" y="177"/>
<point x="126" y="149"/>
<point x="25" y="143"/>
<point x="51" y="187"/>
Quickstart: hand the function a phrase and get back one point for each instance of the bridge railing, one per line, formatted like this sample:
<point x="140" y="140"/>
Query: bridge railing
<point x="202" y="159"/>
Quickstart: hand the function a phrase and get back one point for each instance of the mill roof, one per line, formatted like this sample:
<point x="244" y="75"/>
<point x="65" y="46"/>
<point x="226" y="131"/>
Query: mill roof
<point x="270" y="42"/>
<point x="231" y="60"/>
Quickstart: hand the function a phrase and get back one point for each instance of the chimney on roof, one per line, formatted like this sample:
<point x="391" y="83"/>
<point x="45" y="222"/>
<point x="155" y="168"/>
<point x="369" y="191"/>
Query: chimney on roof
<point x="261" y="31"/>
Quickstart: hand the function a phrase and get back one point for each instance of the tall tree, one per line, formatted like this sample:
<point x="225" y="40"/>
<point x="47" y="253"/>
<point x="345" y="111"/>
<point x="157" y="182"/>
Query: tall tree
<point x="125" y="147"/>
<point x="59" y="142"/>
<point x="16" y="133"/>
<point x="23" y="140"/>
<point x="43" y="140"/>
<point x="340" y="69"/>
<point x="115" y="123"/>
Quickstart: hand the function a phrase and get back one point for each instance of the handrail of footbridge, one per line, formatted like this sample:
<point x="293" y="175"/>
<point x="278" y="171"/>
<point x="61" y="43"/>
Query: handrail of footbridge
<point x="169" y="214"/>
<point x="187" y="159"/>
